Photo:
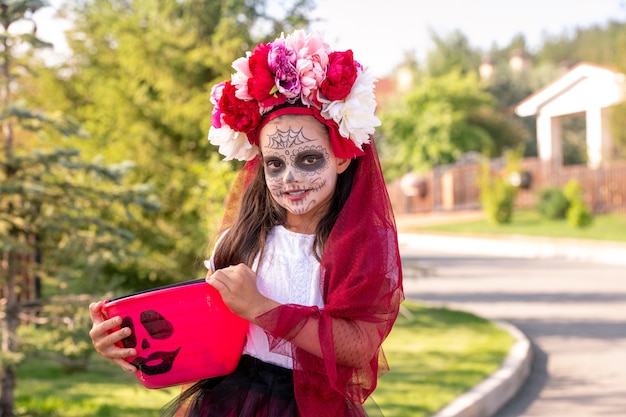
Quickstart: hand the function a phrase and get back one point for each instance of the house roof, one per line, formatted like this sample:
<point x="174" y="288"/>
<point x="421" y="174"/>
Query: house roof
<point x="584" y="85"/>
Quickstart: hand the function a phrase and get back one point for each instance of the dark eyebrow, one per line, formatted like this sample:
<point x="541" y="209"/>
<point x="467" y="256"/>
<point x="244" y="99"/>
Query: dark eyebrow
<point x="271" y="157"/>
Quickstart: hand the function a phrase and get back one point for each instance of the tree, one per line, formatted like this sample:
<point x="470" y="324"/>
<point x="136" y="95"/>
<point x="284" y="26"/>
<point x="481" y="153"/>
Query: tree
<point x="441" y="119"/>
<point x="139" y="82"/>
<point x="598" y="43"/>
<point x="451" y="52"/>
<point x="49" y="196"/>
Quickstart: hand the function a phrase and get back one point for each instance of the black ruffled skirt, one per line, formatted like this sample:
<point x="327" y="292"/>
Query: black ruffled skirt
<point x="254" y="389"/>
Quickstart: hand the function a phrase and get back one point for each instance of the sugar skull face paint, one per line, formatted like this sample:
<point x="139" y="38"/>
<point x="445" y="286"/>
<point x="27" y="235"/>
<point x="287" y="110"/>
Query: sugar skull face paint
<point x="300" y="168"/>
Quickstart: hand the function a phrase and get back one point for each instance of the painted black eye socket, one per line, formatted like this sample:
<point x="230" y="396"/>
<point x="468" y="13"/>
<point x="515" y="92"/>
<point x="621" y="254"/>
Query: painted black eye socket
<point x="311" y="161"/>
<point x="157" y="326"/>
<point x="129" y="341"/>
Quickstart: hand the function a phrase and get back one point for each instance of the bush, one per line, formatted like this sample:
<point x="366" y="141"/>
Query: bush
<point x="577" y="214"/>
<point x="497" y="196"/>
<point x="552" y="203"/>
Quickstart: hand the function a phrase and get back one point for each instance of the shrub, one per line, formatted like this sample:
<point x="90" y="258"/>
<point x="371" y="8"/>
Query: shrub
<point x="497" y="196"/>
<point x="552" y="203"/>
<point x="577" y="214"/>
<point x="497" y="191"/>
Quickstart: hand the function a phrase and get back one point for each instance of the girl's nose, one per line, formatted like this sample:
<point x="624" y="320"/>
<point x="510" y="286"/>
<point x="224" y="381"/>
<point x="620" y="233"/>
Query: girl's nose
<point x="289" y="176"/>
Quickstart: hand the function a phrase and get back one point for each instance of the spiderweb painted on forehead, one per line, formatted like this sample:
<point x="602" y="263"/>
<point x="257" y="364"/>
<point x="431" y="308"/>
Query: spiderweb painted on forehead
<point x="283" y="139"/>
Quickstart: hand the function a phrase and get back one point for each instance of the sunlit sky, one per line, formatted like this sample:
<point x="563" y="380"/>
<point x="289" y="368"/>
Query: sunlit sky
<point x="381" y="32"/>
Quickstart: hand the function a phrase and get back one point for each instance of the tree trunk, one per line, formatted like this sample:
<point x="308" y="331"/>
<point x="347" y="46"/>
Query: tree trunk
<point x="10" y="321"/>
<point x="8" y="390"/>
<point x="9" y="325"/>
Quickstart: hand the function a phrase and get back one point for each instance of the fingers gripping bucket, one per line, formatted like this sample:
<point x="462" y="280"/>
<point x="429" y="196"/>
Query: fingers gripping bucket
<point x="182" y="332"/>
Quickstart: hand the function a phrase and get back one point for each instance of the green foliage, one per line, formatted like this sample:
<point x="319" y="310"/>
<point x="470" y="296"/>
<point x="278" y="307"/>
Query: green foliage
<point x="574" y="140"/>
<point x="452" y="51"/>
<point x="139" y="83"/>
<point x="577" y="214"/>
<point x="565" y="203"/>
<point x="58" y="198"/>
<point x="51" y="199"/>
<point x="497" y="195"/>
<point x="598" y="43"/>
<point x="497" y="190"/>
<point x="436" y="123"/>
<point x="60" y="330"/>
<point x="552" y="203"/>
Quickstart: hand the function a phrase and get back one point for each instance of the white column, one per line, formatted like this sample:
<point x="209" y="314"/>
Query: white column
<point x="599" y="140"/>
<point x="549" y="142"/>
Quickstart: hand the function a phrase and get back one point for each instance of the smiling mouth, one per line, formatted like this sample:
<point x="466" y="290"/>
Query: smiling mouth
<point x="156" y="363"/>
<point x="295" y="194"/>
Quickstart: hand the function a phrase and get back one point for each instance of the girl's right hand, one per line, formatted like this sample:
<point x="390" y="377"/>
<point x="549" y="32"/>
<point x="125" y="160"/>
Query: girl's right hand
<point x="104" y="340"/>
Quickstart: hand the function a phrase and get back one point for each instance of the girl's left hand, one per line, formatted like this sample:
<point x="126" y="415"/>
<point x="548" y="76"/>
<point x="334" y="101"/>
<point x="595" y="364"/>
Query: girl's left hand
<point x="237" y="285"/>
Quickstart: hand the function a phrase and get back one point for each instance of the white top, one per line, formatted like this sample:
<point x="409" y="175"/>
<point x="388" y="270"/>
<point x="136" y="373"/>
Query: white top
<point x="289" y="274"/>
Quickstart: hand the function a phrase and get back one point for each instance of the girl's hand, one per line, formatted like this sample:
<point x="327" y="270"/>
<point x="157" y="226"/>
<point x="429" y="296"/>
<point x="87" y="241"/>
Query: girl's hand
<point x="237" y="285"/>
<point x="104" y="341"/>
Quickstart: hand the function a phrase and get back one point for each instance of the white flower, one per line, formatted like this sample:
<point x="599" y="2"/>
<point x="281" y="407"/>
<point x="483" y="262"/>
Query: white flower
<point x="232" y="144"/>
<point x="356" y="114"/>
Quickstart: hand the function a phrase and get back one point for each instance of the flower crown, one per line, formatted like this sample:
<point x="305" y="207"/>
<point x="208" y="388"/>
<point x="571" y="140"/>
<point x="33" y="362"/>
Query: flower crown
<point x="297" y="69"/>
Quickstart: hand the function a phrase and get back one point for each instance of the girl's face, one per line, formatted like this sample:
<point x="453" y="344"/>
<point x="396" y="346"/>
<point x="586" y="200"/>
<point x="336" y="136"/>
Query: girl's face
<point x="300" y="168"/>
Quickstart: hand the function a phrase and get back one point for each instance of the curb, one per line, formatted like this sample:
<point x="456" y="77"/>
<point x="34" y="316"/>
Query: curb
<point x="486" y="398"/>
<point x="613" y="253"/>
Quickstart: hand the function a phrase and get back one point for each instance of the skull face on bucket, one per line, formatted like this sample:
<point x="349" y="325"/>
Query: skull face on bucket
<point x="182" y="333"/>
<point x="157" y="328"/>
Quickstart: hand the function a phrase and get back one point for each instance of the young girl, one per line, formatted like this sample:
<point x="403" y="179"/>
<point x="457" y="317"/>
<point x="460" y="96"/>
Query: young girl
<point x="308" y="253"/>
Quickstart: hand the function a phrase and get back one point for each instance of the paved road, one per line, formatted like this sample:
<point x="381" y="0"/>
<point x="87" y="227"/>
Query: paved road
<point x="573" y="312"/>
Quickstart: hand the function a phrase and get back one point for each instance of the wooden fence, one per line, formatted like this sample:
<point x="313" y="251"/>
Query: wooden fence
<point x="455" y="187"/>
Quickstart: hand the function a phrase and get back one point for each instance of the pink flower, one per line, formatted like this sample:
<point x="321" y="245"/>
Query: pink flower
<point x="216" y="95"/>
<point x="240" y="115"/>
<point x="340" y="75"/>
<point x="312" y="54"/>
<point x="311" y="76"/>
<point x="282" y="62"/>
<point x="261" y="85"/>
<point x="240" y="77"/>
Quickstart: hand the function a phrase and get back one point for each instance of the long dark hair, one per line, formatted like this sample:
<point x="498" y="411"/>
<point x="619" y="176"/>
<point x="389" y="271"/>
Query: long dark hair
<point x="259" y="212"/>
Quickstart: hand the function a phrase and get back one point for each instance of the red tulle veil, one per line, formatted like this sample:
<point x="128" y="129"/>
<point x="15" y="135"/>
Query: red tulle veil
<point x="361" y="279"/>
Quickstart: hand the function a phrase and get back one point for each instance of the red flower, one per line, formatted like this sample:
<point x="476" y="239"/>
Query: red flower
<point x="240" y="115"/>
<point x="262" y="84"/>
<point x="340" y="75"/>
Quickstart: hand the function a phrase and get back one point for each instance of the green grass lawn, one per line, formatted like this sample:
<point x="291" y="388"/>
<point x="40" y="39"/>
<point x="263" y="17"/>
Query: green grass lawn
<point x="607" y="227"/>
<point x="105" y="391"/>
<point x="435" y="354"/>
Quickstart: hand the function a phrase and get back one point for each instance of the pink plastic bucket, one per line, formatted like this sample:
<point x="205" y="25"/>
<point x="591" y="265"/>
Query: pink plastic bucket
<point x="182" y="332"/>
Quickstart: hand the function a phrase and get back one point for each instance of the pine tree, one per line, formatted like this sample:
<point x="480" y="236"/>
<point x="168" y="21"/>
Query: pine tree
<point x="50" y="197"/>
